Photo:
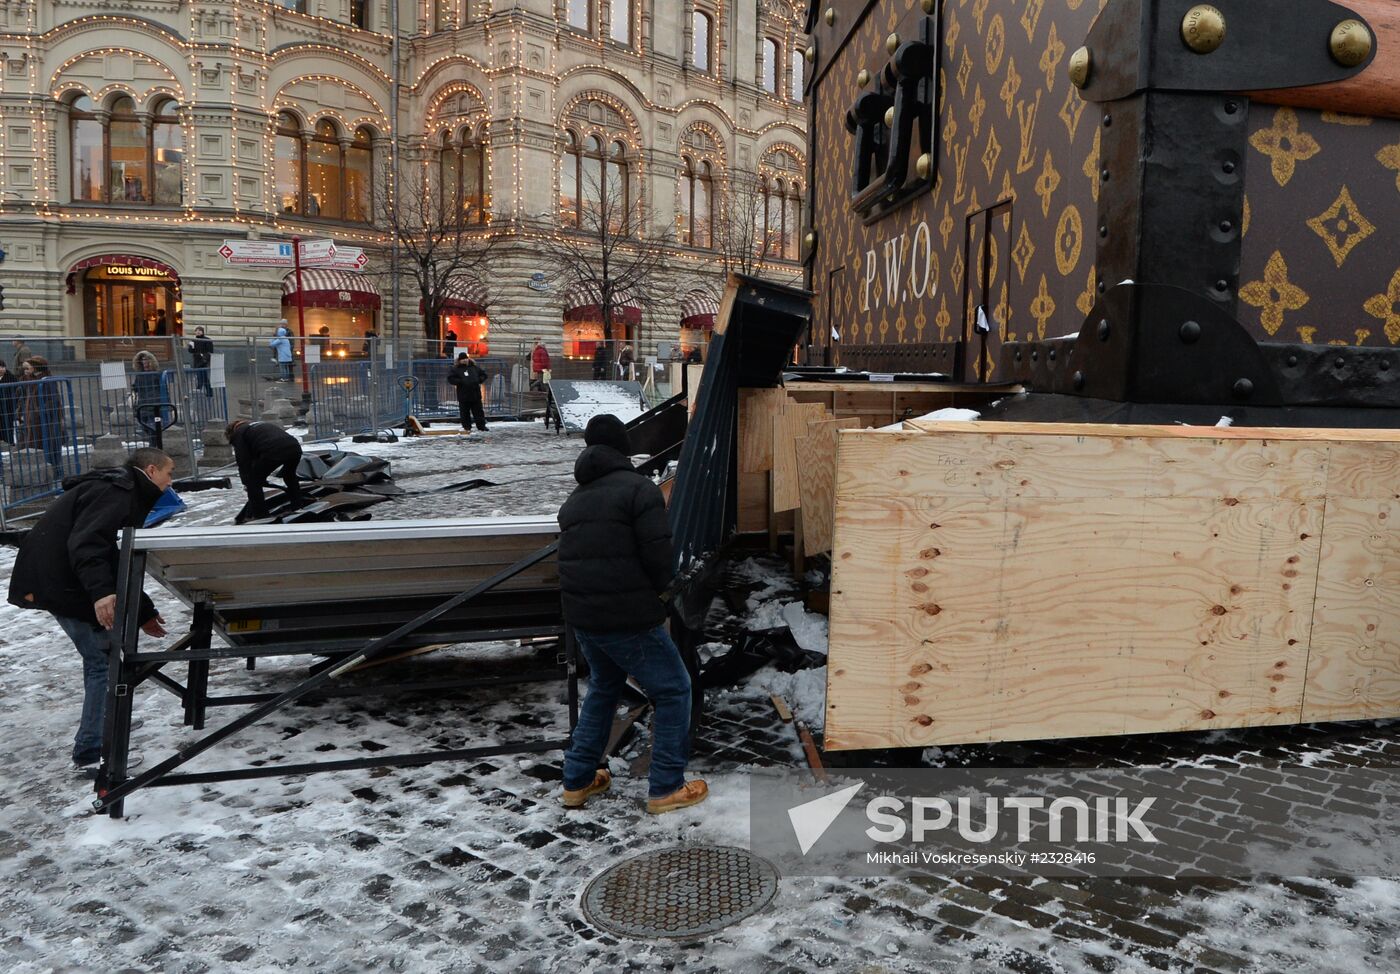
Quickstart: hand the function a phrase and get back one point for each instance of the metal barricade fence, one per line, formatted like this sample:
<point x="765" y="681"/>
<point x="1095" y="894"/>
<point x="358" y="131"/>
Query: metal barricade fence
<point x="503" y="393"/>
<point x="38" y="424"/>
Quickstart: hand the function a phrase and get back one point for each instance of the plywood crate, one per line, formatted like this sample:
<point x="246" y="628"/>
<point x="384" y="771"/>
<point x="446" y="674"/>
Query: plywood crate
<point x="997" y="582"/>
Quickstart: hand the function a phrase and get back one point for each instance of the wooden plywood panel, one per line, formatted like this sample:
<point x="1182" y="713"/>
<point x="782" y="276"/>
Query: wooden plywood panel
<point x="757" y="408"/>
<point x="1354" y="660"/>
<point x="816" y="459"/>
<point x="753" y="502"/>
<point x="1010" y="586"/>
<point x="788" y="425"/>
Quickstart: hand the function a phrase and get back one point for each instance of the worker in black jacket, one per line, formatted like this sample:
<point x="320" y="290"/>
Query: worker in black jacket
<point x="467" y="376"/>
<point x="615" y="561"/>
<point x="201" y="353"/>
<point x="67" y="566"/>
<point x="261" y="449"/>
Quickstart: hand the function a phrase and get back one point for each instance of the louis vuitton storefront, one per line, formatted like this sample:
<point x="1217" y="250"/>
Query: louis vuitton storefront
<point x="127" y="296"/>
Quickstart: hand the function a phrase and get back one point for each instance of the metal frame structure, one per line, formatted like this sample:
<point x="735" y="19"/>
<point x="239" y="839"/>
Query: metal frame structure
<point x="463" y="603"/>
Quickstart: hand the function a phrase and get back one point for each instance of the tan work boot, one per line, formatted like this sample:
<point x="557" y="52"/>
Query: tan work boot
<point x="690" y="793"/>
<point x="576" y="797"/>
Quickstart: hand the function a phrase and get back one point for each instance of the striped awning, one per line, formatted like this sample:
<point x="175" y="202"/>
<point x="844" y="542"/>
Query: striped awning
<point x="465" y="296"/>
<point x="582" y="303"/>
<point x="698" y="310"/>
<point x="324" y="288"/>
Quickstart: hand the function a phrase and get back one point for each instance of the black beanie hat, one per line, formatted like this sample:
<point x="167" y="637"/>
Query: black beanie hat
<point x="606" y="429"/>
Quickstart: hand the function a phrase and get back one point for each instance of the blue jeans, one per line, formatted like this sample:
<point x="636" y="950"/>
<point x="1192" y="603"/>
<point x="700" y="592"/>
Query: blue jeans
<point x="652" y="659"/>
<point x="286" y="368"/>
<point x="94" y="645"/>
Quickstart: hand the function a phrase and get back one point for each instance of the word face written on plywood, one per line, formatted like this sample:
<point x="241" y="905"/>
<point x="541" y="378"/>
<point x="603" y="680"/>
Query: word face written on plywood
<point x="1035" y="582"/>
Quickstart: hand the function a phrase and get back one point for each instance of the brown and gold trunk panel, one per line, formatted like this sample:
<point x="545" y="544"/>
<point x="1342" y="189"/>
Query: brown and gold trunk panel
<point x="1322" y="203"/>
<point x="1014" y="197"/>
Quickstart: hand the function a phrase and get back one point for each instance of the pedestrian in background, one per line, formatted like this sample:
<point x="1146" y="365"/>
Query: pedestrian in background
<point x="539" y="363"/>
<point x="625" y="359"/>
<point x="201" y="352"/>
<point x="615" y="563"/>
<point x="281" y="345"/>
<point x="9" y="402"/>
<point x="368" y="348"/>
<point x="67" y="566"/>
<point x="22" y="354"/>
<point x="449" y="344"/>
<point x="468" y="377"/>
<point x="600" y="361"/>
<point x="41" y="413"/>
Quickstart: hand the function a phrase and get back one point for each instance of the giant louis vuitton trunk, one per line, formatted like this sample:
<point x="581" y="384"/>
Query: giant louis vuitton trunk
<point x="1149" y="201"/>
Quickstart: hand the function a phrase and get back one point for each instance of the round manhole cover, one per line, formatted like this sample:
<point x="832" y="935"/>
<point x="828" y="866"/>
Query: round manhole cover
<point x="692" y="891"/>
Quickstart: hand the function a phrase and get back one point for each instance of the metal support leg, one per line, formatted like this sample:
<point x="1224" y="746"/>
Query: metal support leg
<point x="197" y="691"/>
<point x="121" y="674"/>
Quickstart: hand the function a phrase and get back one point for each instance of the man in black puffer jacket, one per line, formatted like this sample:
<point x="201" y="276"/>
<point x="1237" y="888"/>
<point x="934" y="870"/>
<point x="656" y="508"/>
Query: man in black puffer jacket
<point x="262" y="449"/>
<point x="67" y="566"/>
<point x="615" y="561"/>
<point x="468" y="377"/>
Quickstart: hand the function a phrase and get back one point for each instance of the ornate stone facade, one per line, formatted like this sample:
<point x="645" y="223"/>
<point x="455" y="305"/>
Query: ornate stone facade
<point x="149" y="130"/>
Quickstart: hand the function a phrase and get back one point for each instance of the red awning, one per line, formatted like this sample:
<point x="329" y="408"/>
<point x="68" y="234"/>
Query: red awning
<point x="123" y="260"/>
<point x="698" y="310"/>
<point x="582" y="303"/>
<point x="323" y="288"/>
<point x="464" y="297"/>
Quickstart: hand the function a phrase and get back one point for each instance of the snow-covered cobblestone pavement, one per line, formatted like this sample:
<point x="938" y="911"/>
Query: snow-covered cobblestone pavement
<point x="475" y="867"/>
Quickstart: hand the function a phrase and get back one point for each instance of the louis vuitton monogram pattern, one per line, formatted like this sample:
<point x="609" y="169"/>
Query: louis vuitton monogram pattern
<point x="1319" y="261"/>
<point x="1010" y="128"/>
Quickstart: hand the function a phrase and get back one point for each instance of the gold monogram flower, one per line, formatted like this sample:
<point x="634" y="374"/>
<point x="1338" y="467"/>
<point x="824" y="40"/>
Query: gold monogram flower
<point x="1274" y="295"/>
<point x="1285" y="144"/>
<point x="1383" y="306"/>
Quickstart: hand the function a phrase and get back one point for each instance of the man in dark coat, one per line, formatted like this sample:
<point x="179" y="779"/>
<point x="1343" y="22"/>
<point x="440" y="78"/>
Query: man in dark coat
<point x="261" y="449"/>
<point x="615" y="561"/>
<point x="201" y="352"/>
<point x="67" y="566"/>
<point x="467" y="376"/>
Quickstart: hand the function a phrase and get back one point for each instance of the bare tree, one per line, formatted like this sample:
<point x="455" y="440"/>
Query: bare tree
<point x="612" y="255"/>
<point x="445" y="241"/>
<point x="746" y="233"/>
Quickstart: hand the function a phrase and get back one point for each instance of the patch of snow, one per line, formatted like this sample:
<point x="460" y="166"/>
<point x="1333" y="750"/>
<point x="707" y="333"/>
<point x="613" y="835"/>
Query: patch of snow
<point x="804" y="691"/>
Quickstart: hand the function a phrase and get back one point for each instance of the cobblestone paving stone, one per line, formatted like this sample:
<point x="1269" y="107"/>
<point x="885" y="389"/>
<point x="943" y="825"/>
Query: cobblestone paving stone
<point x="475" y="868"/>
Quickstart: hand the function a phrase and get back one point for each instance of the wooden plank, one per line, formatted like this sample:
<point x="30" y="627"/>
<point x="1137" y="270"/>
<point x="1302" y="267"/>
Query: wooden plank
<point x="816" y="458"/>
<point x="991" y="587"/>
<point x="788" y="425"/>
<point x="757" y="407"/>
<point x="780" y="705"/>
<point x="1094" y="430"/>
<point x="753" y="502"/>
<point x="692" y="385"/>
<point x="1354" y="657"/>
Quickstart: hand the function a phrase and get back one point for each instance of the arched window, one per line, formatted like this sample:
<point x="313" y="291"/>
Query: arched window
<point x="126" y="158"/>
<point x="770" y="65"/>
<point x="288" y="168"/>
<point x="700" y="41"/>
<point x="594" y="185"/>
<point x="781" y="186"/>
<point x="321" y="176"/>
<point x="325" y="189"/>
<point x="568" y="181"/>
<point x="580" y="14"/>
<point x="359" y="178"/>
<point x="620" y="30"/>
<point x="695" y="219"/>
<point x="167" y="155"/>
<point x="85" y="135"/>
<point x="128" y="164"/>
<point x="799" y="66"/>
<point x="792" y="223"/>
<point x="463" y="179"/>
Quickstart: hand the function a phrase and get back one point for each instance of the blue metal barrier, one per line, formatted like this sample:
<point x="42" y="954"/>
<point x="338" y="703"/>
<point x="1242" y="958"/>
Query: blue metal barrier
<point x="435" y="397"/>
<point x="46" y="442"/>
<point x="202" y="402"/>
